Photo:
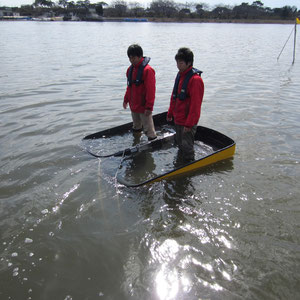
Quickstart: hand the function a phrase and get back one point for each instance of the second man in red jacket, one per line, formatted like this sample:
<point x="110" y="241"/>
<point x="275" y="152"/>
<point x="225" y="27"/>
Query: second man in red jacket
<point x="185" y="103"/>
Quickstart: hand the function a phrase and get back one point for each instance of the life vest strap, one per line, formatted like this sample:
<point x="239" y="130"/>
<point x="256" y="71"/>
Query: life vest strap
<point x="183" y="92"/>
<point x="139" y="76"/>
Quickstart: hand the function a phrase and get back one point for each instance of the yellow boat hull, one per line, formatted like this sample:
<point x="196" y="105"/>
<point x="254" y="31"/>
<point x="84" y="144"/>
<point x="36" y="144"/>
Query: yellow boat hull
<point x="205" y="161"/>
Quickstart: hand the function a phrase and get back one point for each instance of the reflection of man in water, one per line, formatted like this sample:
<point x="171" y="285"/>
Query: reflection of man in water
<point x="136" y="138"/>
<point x="178" y="189"/>
<point x="139" y="167"/>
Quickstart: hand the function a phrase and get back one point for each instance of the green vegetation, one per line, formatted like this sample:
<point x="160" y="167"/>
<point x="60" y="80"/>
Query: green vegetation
<point x="158" y="9"/>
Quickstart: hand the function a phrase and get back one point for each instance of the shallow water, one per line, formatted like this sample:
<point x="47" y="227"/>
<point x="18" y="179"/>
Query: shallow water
<point x="70" y="231"/>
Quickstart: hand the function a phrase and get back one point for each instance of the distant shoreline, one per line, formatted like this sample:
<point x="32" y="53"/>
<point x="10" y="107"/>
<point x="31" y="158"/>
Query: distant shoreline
<point x="244" y="21"/>
<point x="192" y="20"/>
<point x="160" y="20"/>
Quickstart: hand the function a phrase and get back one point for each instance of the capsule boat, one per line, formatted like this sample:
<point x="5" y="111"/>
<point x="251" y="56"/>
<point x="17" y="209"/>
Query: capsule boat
<point x="145" y="162"/>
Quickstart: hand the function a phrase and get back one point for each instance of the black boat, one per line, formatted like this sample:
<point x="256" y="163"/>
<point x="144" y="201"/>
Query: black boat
<point x="137" y="155"/>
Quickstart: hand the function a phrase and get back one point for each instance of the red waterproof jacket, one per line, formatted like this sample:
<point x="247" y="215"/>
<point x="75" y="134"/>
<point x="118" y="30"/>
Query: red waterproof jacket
<point x="141" y="97"/>
<point x="187" y="112"/>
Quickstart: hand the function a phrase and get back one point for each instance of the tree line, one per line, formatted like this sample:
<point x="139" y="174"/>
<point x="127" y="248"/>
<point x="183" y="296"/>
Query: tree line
<point x="158" y="9"/>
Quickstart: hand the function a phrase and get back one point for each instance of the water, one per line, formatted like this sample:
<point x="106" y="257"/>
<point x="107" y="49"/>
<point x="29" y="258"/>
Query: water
<point x="70" y="231"/>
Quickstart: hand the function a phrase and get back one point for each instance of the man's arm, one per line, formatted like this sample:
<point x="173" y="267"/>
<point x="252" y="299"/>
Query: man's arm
<point x="196" y="92"/>
<point x="149" y="82"/>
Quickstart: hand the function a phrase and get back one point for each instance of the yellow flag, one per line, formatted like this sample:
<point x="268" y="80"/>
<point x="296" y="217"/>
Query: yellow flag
<point x="297" y="20"/>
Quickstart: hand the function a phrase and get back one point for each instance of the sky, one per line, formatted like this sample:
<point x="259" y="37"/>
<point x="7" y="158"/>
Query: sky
<point x="268" y="3"/>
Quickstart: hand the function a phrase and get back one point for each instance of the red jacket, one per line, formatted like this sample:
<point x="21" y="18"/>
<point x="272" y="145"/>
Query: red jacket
<point x="187" y="112"/>
<point x="141" y="98"/>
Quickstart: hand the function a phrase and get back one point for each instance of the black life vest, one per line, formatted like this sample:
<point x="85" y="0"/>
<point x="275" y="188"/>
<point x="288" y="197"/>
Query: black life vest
<point x="183" y="92"/>
<point x="139" y="76"/>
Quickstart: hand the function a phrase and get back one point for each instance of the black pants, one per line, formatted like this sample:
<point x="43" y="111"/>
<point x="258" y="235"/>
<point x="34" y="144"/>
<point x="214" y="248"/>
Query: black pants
<point x="185" y="142"/>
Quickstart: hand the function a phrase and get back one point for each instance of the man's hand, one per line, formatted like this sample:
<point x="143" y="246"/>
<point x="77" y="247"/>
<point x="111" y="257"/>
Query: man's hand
<point x="187" y="129"/>
<point x="125" y="105"/>
<point x="169" y="119"/>
<point x="147" y="112"/>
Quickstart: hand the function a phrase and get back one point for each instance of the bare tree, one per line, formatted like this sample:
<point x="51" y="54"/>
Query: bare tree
<point x="163" y="8"/>
<point x="136" y="9"/>
<point x="43" y="3"/>
<point x="120" y="8"/>
<point x="63" y="3"/>
<point x="258" y="3"/>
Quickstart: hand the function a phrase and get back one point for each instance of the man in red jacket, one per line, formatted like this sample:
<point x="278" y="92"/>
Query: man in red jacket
<point x="185" y="104"/>
<point x="140" y="92"/>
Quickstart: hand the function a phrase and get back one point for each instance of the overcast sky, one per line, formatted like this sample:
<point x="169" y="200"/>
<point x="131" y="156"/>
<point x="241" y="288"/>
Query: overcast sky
<point x="269" y="3"/>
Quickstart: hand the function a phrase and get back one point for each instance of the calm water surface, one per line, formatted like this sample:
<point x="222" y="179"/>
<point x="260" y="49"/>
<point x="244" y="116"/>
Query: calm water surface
<point x="69" y="231"/>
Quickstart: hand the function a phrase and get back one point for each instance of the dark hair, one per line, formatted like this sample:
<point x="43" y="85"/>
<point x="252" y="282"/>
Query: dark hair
<point x="135" y="50"/>
<point x="185" y="54"/>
